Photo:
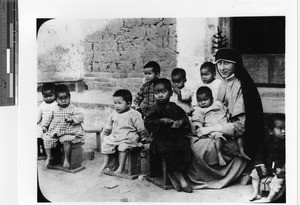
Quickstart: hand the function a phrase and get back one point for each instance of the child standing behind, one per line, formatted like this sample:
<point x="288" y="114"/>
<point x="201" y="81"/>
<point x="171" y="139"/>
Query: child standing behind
<point x="182" y="95"/>
<point x="270" y="159"/>
<point x="210" y="113"/>
<point x="145" y="97"/>
<point x="63" y="123"/>
<point x="169" y="125"/>
<point x="208" y="78"/>
<point x="43" y="109"/>
<point x="124" y="130"/>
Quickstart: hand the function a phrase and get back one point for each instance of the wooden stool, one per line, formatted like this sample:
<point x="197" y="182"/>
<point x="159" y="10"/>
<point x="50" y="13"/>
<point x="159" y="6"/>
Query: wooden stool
<point x="76" y="157"/>
<point x="158" y="172"/>
<point x="132" y="165"/>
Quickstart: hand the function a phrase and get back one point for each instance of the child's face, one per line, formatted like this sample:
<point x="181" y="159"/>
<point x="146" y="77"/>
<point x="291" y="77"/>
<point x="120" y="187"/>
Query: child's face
<point x="178" y="81"/>
<point x="225" y="68"/>
<point x="161" y="94"/>
<point x="204" y="100"/>
<point x="206" y="75"/>
<point x="63" y="99"/>
<point x="150" y="75"/>
<point x="121" y="105"/>
<point x="48" y="96"/>
<point x="279" y="129"/>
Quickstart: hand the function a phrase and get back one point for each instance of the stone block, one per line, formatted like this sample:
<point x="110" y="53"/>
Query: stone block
<point x="136" y="75"/>
<point x="96" y="46"/>
<point x="102" y="67"/>
<point x="151" y="21"/>
<point x="88" y="46"/>
<point x="132" y="22"/>
<point x="95" y="37"/>
<point x="150" y="46"/>
<point x="138" y="32"/>
<point x="115" y="27"/>
<point x="163" y="31"/>
<point x="151" y="31"/>
<point x="125" y="66"/>
<point x="95" y="66"/>
<point x="119" y="75"/>
<point x="169" y="21"/>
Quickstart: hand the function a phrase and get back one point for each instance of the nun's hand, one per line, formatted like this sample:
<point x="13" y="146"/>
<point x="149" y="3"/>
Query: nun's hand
<point x="203" y="131"/>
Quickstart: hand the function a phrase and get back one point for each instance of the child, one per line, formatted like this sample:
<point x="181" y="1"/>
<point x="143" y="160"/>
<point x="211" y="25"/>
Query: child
<point x="210" y="113"/>
<point x="124" y="130"/>
<point x="169" y="125"/>
<point x="43" y="109"/>
<point x="63" y="123"/>
<point x="182" y="95"/>
<point x="208" y="78"/>
<point x="270" y="159"/>
<point x="145" y="97"/>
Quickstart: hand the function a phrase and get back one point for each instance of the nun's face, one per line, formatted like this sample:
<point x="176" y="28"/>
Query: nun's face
<point x="225" y="68"/>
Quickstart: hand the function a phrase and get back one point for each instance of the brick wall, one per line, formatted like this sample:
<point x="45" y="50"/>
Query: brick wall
<point x="116" y="54"/>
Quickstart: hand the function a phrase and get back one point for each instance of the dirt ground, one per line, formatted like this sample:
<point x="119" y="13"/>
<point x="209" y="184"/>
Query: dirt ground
<point x="88" y="186"/>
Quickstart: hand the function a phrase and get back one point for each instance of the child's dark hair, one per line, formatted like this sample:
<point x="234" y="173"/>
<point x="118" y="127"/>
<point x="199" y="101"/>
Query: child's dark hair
<point x="210" y="66"/>
<point x="154" y="65"/>
<point x="164" y="82"/>
<point x="48" y="86"/>
<point x="179" y="71"/>
<point x="204" y="90"/>
<point x="125" y="94"/>
<point x="61" y="88"/>
<point x="273" y="117"/>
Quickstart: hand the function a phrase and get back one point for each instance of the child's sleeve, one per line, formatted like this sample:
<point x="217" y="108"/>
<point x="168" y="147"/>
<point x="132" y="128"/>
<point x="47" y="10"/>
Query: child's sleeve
<point x="47" y="119"/>
<point x="261" y="153"/>
<point x="152" y="120"/>
<point x="77" y="115"/>
<point x="39" y="115"/>
<point x="138" y="123"/>
<point x="198" y="118"/>
<point x="139" y="97"/>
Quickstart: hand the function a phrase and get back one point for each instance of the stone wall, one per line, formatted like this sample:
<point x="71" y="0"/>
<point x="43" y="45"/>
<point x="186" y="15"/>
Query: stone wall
<point x="116" y="54"/>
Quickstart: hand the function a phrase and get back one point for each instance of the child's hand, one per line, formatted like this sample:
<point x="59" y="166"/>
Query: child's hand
<point x="44" y="129"/>
<point x="263" y="169"/>
<point x="203" y="131"/>
<point x="107" y="131"/>
<point x="177" y="124"/>
<point x="133" y="106"/>
<point x="166" y="121"/>
<point x="69" y="120"/>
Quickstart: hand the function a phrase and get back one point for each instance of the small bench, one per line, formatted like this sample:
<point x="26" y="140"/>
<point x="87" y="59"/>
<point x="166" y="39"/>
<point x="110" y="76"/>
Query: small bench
<point x="98" y="138"/>
<point x="132" y="168"/>
<point x="73" y="84"/>
<point x="76" y="157"/>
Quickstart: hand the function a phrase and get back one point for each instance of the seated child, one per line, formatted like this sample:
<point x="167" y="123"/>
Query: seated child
<point x="210" y="113"/>
<point x="169" y="126"/>
<point x="270" y="159"/>
<point x="44" y="108"/>
<point x="208" y="78"/>
<point x="145" y="97"/>
<point x="63" y="123"/>
<point x="182" y="95"/>
<point x="124" y="130"/>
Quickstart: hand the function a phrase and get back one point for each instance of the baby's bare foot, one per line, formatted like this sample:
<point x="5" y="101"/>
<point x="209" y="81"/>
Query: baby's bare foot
<point x="243" y="155"/>
<point x="221" y="160"/>
<point x="255" y="196"/>
<point x="47" y="161"/>
<point x="118" y="172"/>
<point x="66" y="163"/>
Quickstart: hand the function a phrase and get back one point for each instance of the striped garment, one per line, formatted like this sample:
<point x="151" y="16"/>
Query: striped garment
<point x="58" y="128"/>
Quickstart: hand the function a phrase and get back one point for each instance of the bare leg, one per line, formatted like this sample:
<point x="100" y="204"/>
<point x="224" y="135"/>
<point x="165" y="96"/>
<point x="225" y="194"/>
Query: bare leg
<point x="242" y="154"/>
<point x="218" y="146"/>
<point x="49" y="157"/>
<point x="255" y="195"/>
<point x="67" y="150"/>
<point x="122" y="160"/>
<point x="186" y="187"/>
<point x="105" y="163"/>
